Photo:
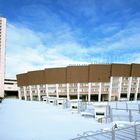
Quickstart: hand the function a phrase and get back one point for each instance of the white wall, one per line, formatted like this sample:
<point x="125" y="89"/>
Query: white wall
<point x="2" y="54"/>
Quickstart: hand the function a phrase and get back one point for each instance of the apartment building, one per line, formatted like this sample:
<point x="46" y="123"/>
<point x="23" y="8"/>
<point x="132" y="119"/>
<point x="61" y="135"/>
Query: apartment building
<point x="2" y="53"/>
<point x="94" y="82"/>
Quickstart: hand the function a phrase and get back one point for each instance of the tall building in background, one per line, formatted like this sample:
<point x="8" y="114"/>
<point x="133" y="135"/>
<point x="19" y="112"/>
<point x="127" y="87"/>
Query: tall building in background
<point x="2" y="53"/>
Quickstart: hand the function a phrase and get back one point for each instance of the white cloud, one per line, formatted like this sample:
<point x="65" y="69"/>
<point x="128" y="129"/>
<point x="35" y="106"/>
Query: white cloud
<point x="26" y="51"/>
<point x="126" y="39"/>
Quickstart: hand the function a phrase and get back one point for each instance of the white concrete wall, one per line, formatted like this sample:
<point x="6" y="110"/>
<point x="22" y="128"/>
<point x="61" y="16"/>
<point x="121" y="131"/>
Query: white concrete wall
<point x="12" y="86"/>
<point x="2" y="54"/>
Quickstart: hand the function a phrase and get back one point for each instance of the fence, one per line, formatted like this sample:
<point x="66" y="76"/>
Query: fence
<point x="116" y="111"/>
<point x="129" y="132"/>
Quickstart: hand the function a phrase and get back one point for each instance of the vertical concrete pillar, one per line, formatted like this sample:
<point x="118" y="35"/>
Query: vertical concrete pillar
<point x="120" y="88"/>
<point x="25" y="94"/>
<point x="68" y="92"/>
<point x="57" y="94"/>
<point x="78" y="92"/>
<point x="89" y="91"/>
<point x="110" y="88"/>
<point x="129" y="88"/>
<point x="31" y="96"/>
<point x="137" y="88"/>
<point x="19" y="93"/>
<point x="100" y="90"/>
<point x="47" y="94"/>
<point x="38" y="93"/>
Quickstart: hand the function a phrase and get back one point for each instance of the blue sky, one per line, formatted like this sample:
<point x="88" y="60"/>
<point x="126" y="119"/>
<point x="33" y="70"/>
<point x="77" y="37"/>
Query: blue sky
<point x="53" y="33"/>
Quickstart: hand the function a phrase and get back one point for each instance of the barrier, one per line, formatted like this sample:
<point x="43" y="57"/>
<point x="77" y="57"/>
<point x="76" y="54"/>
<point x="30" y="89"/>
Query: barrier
<point x="129" y="132"/>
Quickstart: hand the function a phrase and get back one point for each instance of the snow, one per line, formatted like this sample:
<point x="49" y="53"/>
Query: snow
<point x="30" y="120"/>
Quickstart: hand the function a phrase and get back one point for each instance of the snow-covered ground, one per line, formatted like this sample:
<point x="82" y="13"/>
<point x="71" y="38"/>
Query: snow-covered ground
<point x="30" y="120"/>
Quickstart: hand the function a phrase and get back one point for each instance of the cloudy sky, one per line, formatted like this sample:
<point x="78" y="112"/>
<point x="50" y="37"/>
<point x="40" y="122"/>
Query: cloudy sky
<point x="54" y="33"/>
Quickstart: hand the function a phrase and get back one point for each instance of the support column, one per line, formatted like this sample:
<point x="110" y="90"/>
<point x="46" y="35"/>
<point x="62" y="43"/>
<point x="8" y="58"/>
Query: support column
<point x="19" y="93"/>
<point x="57" y="94"/>
<point x="31" y="96"/>
<point x="25" y="95"/>
<point x="68" y="93"/>
<point x="137" y="89"/>
<point x="47" y="94"/>
<point x="38" y="93"/>
<point x="110" y="89"/>
<point x="129" y="88"/>
<point x="120" y="87"/>
<point x="100" y="90"/>
<point x="78" y="91"/>
<point x="89" y="91"/>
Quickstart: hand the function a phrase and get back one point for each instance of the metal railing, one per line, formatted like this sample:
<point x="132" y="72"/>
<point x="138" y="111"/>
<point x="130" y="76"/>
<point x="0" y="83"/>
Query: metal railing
<point x="129" y="132"/>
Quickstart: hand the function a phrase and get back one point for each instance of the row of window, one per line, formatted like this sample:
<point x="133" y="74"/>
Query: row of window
<point x="65" y="85"/>
<point x="115" y="84"/>
<point x="70" y="90"/>
<point x="124" y="89"/>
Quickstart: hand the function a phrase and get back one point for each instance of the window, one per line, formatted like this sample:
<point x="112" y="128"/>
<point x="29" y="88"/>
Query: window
<point x="94" y="89"/>
<point x="125" y="78"/>
<point x="42" y="91"/>
<point x="21" y="88"/>
<point x="73" y="84"/>
<point x="134" y="83"/>
<point x="134" y="78"/>
<point x="124" y="89"/>
<point x="84" y="84"/>
<point x="34" y="86"/>
<point x="27" y="88"/>
<point x="42" y="86"/>
<point x="84" y="90"/>
<point x="74" y="107"/>
<point x="60" y="85"/>
<point x="133" y="89"/>
<point x="75" y="90"/>
<point x="105" y="89"/>
<point x="124" y="84"/>
<point x="100" y="113"/>
<point x="33" y="91"/>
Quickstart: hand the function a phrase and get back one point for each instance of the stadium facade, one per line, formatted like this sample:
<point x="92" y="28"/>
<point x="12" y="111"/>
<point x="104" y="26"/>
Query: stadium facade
<point x="94" y="82"/>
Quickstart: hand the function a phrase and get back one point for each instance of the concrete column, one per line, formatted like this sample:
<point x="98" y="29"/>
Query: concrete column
<point x="47" y="94"/>
<point x="38" y="93"/>
<point x="110" y="88"/>
<point x="137" y="89"/>
<point x="78" y="91"/>
<point x="89" y="91"/>
<point x="68" y="92"/>
<point x="31" y="96"/>
<point x="19" y="93"/>
<point x="120" y="88"/>
<point x="57" y="94"/>
<point x="25" y="95"/>
<point x="100" y="90"/>
<point x="129" y="88"/>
